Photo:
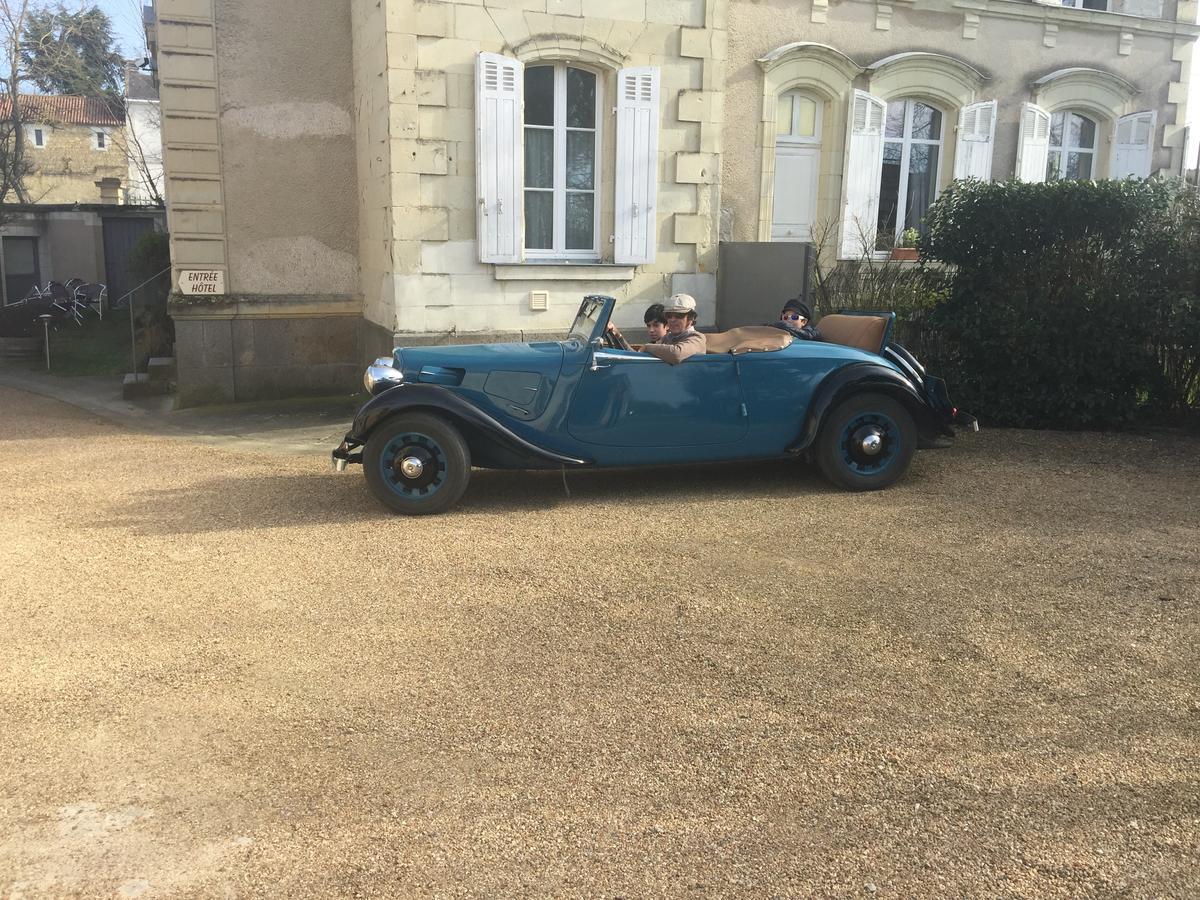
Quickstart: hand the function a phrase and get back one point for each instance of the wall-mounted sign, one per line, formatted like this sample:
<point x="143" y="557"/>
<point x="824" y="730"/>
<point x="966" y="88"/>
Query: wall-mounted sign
<point x="202" y="282"/>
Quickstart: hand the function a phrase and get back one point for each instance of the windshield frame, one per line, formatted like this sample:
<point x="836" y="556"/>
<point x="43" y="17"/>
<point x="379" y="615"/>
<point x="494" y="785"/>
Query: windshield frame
<point x="591" y="319"/>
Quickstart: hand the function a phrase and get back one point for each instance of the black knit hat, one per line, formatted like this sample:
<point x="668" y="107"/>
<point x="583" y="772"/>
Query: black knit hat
<point x="655" y="312"/>
<point x="798" y="305"/>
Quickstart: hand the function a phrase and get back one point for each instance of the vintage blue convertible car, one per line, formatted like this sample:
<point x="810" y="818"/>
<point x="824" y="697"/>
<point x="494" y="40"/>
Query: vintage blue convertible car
<point x="857" y="404"/>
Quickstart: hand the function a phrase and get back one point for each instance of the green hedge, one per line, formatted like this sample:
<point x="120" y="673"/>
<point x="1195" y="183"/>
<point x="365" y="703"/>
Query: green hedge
<point x="1066" y="304"/>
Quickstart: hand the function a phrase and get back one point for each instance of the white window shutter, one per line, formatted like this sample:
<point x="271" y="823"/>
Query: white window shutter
<point x="976" y="137"/>
<point x="635" y="221"/>
<point x="864" y="166"/>
<point x="1133" y="146"/>
<point x="1033" y="144"/>
<point x="499" y="157"/>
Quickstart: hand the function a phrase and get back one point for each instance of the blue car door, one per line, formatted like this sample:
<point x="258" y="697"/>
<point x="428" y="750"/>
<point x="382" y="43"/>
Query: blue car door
<point x="628" y="399"/>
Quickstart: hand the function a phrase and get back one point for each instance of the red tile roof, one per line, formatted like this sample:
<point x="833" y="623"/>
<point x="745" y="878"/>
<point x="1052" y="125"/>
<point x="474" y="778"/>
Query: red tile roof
<point x="65" y="110"/>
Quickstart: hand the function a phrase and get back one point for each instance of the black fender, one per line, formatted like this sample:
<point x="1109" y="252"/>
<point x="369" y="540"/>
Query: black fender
<point x="491" y="441"/>
<point x="859" y="378"/>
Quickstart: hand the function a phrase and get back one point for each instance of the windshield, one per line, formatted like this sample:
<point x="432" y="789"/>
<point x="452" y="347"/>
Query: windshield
<point x="585" y="321"/>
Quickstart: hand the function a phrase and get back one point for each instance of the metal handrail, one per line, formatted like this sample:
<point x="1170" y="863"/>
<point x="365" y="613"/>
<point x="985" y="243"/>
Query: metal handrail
<point x="132" y="328"/>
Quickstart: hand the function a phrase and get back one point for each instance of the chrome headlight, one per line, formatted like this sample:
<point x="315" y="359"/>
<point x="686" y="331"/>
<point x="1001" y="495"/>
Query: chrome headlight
<point x="381" y="375"/>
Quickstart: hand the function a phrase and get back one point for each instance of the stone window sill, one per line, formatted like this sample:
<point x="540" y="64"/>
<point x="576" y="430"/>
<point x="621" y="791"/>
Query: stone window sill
<point x="560" y="271"/>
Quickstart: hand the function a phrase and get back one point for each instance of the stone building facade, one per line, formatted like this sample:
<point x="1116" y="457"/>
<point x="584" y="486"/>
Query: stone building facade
<point x="416" y="171"/>
<point x="73" y="146"/>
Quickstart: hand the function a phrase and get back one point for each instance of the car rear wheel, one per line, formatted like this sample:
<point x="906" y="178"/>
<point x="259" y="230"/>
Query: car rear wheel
<point x="866" y="443"/>
<point x="417" y="464"/>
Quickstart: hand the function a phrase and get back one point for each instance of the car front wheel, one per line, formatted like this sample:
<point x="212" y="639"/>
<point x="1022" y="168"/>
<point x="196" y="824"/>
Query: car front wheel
<point x="866" y="443"/>
<point x="417" y="464"/>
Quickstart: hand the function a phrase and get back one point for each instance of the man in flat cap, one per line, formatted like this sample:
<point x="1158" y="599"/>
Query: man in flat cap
<point x="682" y="339"/>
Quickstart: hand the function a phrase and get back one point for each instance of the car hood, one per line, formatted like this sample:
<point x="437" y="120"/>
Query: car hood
<point x="543" y="357"/>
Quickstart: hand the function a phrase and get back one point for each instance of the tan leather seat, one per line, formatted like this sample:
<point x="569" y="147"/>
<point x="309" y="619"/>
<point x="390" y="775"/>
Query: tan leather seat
<point x="748" y="339"/>
<point x="863" y="332"/>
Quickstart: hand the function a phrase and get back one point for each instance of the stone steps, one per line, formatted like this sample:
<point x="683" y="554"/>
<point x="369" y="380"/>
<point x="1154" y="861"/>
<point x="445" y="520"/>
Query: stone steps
<point x="161" y="368"/>
<point x="141" y="384"/>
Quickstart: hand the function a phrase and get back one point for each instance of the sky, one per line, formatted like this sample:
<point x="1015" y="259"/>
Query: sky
<point x="126" y="16"/>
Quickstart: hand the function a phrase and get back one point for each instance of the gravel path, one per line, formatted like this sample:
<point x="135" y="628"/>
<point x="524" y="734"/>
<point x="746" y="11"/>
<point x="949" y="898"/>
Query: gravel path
<point x="233" y="674"/>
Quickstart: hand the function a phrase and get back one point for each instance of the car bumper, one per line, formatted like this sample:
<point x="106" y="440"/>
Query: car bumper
<point x="347" y="452"/>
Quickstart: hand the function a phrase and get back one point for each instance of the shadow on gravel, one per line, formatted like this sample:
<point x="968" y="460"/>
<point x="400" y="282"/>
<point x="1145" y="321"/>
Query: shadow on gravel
<point x="280" y="501"/>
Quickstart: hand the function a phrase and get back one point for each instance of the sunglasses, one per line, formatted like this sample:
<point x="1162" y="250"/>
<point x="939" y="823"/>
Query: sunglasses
<point x="792" y="317"/>
<point x="676" y="316"/>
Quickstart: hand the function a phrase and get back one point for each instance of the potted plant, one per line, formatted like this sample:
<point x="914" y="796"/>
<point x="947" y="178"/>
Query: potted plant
<point x="907" y="248"/>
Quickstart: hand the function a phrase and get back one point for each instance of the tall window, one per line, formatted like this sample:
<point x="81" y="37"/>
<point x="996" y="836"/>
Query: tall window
<point x="39" y="137"/>
<point x="797" y="166"/>
<point x="912" y="149"/>
<point x="562" y="128"/>
<point x="1072" y="147"/>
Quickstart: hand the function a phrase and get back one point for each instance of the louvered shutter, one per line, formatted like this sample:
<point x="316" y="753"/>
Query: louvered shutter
<point x="976" y="137"/>
<point x="864" y="165"/>
<point x="1033" y="144"/>
<point x="499" y="157"/>
<point x="635" y="220"/>
<point x="1133" y="146"/>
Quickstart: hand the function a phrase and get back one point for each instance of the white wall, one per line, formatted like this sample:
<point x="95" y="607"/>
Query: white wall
<point x="143" y="136"/>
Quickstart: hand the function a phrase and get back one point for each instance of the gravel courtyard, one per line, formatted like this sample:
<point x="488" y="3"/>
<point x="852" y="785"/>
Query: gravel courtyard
<point x="232" y="674"/>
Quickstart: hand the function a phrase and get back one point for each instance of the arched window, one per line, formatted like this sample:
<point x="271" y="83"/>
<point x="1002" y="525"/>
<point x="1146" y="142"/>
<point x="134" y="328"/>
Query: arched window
<point x="797" y="166"/>
<point x="1072" y="147"/>
<point x="908" y="182"/>
<point x="562" y="128"/>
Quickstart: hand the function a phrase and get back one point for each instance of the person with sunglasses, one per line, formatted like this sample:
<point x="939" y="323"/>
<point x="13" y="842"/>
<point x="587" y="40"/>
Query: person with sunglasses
<point x="682" y="340"/>
<point x="794" y="320"/>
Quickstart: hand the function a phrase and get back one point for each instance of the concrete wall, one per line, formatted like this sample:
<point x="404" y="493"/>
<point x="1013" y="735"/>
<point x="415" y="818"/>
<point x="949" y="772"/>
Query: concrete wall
<point x="258" y="112"/>
<point x="70" y="241"/>
<point x="1012" y="45"/>
<point x="68" y="168"/>
<point x="438" y="285"/>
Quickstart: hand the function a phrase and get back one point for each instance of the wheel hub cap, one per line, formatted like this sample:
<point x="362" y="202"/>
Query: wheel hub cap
<point x="871" y="443"/>
<point x="412" y="467"/>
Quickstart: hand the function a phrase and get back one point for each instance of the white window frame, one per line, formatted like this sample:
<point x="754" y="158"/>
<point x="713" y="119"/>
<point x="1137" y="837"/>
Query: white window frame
<point x="560" y="129"/>
<point x="31" y="133"/>
<point x="1065" y="149"/>
<point x="97" y="134"/>
<point x="906" y="141"/>
<point x="1078" y="4"/>
<point x="793" y="138"/>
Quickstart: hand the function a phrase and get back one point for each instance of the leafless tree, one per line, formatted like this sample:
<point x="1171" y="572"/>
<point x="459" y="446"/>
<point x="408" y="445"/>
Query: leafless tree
<point x="14" y="165"/>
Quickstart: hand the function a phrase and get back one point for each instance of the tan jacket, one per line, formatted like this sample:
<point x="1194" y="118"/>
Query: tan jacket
<point x="675" y="348"/>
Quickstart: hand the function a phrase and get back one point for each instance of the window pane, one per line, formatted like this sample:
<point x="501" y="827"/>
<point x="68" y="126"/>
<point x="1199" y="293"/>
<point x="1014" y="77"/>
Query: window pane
<point x="539" y="158"/>
<point x="539" y="95"/>
<point x="895" y="119"/>
<point x="806" y="117"/>
<point x="783" y="115"/>
<point x="581" y="160"/>
<point x="581" y="99"/>
<point x="539" y="220"/>
<point x="1053" y="164"/>
<point x="1079" y="166"/>
<point x="1083" y="132"/>
<point x="926" y="122"/>
<point x="1056" y="129"/>
<point x="580" y="221"/>
<point x="889" y="195"/>
<point x="922" y="182"/>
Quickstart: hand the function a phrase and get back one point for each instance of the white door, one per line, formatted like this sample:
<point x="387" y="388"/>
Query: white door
<point x="796" y="173"/>
<point x="797" y="166"/>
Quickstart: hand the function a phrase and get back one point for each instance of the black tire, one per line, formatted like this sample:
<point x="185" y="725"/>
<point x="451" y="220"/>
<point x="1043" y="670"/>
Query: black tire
<point x="443" y="455"/>
<point x="840" y="452"/>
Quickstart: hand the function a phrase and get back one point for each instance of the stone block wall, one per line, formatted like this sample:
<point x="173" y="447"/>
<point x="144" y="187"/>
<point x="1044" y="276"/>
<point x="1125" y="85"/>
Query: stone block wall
<point x="69" y="167"/>
<point x="432" y="282"/>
